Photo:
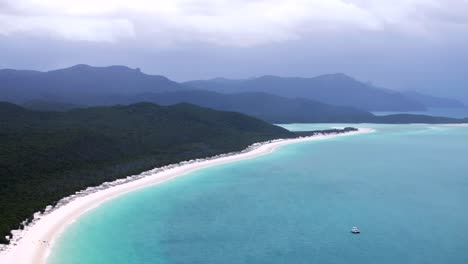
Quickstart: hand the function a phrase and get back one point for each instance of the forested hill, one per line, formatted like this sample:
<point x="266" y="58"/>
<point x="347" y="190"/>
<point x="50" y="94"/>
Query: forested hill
<point x="80" y="84"/>
<point x="270" y="108"/>
<point x="333" y="89"/>
<point x="45" y="156"/>
<point x="277" y="109"/>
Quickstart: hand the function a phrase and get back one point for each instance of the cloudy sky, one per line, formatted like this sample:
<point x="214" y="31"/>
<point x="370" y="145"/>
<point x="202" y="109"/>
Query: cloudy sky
<point x="400" y="44"/>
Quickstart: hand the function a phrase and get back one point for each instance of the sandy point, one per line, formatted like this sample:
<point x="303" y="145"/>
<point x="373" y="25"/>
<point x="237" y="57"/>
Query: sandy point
<point x="34" y="243"/>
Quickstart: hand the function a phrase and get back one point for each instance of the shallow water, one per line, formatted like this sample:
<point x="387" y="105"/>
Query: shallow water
<point x="406" y="187"/>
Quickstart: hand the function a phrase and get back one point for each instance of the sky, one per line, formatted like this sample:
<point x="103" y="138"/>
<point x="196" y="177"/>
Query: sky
<point x="401" y="44"/>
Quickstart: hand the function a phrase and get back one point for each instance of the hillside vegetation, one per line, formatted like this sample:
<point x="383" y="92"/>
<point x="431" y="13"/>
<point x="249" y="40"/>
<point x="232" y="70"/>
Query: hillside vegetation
<point x="270" y="108"/>
<point x="45" y="156"/>
<point x="277" y="109"/>
<point x="334" y="89"/>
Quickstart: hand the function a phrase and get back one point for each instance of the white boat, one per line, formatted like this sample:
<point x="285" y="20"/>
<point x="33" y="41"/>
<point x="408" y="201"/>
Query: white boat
<point x="355" y="230"/>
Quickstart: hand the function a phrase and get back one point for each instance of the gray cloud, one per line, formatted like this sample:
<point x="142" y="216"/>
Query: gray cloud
<point x="401" y="44"/>
<point x="222" y="22"/>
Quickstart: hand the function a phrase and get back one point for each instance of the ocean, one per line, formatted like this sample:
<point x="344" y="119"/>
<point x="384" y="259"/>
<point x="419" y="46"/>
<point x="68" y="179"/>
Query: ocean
<point x="404" y="186"/>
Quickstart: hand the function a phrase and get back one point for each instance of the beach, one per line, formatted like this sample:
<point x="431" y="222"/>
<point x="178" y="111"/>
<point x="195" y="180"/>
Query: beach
<point x="458" y="125"/>
<point x="33" y="244"/>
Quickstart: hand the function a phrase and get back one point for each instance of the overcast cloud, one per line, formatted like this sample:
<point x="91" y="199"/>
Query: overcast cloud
<point x="223" y="22"/>
<point x="401" y="44"/>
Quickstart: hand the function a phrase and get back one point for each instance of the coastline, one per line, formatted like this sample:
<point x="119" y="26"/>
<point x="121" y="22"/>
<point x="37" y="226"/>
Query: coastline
<point x="33" y="244"/>
<point x="458" y="125"/>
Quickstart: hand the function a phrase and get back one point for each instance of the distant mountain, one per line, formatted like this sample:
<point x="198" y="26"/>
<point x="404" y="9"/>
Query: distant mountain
<point x="45" y="156"/>
<point x="272" y="108"/>
<point x="276" y="109"/>
<point x="415" y="119"/>
<point x="44" y="105"/>
<point x="9" y="74"/>
<point x="433" y="101"/>
<point x="326" y="98"/>
<point x="334" y="89"/>
<point x="80" y="83"/>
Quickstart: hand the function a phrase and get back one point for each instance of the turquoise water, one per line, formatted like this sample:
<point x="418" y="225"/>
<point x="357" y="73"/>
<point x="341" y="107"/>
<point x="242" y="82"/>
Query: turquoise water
<point x="406" y="187"/>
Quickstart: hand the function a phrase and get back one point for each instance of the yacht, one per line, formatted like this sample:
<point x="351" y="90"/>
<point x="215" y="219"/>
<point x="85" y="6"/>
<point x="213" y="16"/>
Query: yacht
<point x="355" y="230"/>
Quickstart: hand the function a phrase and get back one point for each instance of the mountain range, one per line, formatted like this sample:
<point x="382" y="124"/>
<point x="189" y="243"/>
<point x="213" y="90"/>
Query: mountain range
<point x="334" y="89"/>
<point x="271" y="108"/>
<point x="433" y="101"/>
<point x="326" y="98"/>
<point x="80" y="84"/>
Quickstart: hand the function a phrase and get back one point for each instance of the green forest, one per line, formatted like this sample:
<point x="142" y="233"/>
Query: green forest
<point x="45" y="156"/>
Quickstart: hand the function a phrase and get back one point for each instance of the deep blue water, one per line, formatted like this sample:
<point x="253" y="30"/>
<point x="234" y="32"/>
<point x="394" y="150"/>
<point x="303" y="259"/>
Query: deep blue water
<point x="405" y="186"/>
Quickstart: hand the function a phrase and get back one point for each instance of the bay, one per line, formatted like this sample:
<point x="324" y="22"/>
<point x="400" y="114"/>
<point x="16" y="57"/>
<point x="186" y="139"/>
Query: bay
<point x="404" y="186"/>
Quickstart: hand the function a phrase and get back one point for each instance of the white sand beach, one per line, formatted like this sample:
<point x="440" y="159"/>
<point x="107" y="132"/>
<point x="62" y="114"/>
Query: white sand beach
<point x="458" y="125"/>
<point x="32" y="245"/>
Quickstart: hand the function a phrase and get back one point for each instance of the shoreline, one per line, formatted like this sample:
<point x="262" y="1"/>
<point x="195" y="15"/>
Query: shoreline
<point x="458" y="125"/>
<point x="33" y="244"/>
